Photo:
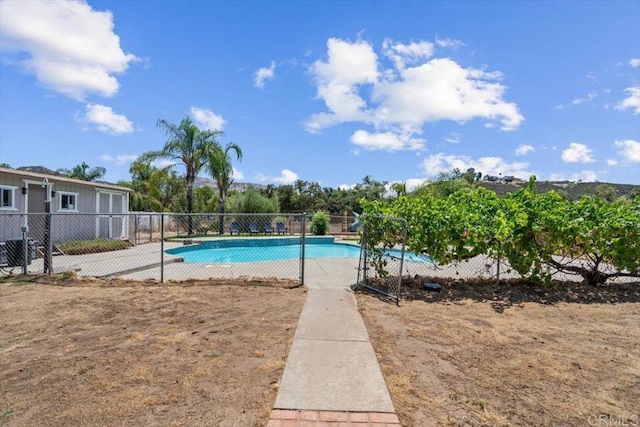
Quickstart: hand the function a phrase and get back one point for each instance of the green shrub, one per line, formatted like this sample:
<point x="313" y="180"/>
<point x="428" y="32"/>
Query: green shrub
<point x="251" y="201"/>
<point x="539" y="234"/>
<point x="320" y="223"/>
<point x="80" y="247"/>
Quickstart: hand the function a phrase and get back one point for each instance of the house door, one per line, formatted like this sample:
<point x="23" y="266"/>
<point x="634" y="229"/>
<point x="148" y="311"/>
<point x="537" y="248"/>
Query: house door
<point x="111" y="221"/>
<point x="36" y="195"/>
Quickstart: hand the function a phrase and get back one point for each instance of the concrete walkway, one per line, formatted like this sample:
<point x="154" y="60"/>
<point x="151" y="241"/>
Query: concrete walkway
<point x="332" y="376"/>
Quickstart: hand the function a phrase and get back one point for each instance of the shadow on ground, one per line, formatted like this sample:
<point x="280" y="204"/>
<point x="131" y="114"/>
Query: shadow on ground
<point x="510" y="293"/>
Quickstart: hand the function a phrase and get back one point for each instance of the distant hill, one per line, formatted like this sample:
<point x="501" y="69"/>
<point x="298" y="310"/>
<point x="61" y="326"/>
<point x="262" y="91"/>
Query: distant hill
<point x="46" y="171"/>
<point x="571" y="190"/>
<point x="236" y="186"/>
<point x="38" y="169"/>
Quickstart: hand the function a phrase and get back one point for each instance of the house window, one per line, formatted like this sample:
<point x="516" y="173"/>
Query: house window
<point x="7" y="197"/>
<point x="68" y="201"/>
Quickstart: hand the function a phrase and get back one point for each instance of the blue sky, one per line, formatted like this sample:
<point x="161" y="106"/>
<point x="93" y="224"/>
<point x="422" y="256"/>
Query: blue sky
<point x="328" y="91"/>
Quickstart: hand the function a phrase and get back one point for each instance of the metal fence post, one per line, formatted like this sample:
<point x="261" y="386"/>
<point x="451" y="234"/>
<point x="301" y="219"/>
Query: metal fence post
<point x="162" y="248"/>
<point x="302" y="247"/>
<point x="48" y="269"/>
<point x="402" y="253"/>
<point x="361" y="277"/>
<point x="135" y="229"/>
<point x="25" y="250"/>
<point x="365" y="255"/>
<point x="50" y="243"/>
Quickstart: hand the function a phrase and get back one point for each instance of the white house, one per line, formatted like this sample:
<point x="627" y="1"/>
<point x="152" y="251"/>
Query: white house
<point x="81" y="209"/>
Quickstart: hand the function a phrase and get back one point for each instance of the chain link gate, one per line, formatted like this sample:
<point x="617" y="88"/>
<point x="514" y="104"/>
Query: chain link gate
<point x="382" y="254"/>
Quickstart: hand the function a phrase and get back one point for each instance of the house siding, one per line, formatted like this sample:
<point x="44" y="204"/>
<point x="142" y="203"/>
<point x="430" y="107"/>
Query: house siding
<point x="80" y="224"/>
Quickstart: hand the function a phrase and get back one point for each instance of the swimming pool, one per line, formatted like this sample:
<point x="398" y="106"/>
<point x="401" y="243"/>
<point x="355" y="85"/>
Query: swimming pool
<point x="257" y="250"/>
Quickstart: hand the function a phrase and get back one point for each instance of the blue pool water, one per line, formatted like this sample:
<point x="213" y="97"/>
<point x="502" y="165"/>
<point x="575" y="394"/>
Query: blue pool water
<point x="255" y="250"/>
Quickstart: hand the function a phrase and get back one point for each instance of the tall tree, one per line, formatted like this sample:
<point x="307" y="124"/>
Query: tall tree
<point x="189" y="146"/>
<point x="83" y="172"/>
<point x="400" y="188"/>
<point x="221" y="169"/>
<point x="150" y="185"/>
<point x="287" y="197"/>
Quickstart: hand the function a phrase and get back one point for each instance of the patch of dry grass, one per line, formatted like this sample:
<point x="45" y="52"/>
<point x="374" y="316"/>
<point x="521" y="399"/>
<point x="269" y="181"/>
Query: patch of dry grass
<point x="463" y="363"/>
<point x="94" y="353"/>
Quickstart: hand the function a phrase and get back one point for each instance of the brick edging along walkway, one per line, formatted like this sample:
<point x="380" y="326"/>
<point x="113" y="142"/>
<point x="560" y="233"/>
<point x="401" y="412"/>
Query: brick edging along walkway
<point x="294" y="418"/>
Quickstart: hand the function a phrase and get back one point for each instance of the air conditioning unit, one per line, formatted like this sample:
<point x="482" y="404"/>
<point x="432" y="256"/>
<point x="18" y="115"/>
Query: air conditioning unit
<point x="15" y="252"/>
<point x="4" y="261"/>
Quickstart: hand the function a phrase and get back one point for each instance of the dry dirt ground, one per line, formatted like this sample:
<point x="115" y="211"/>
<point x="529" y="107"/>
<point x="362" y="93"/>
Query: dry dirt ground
<point x="488" y="355"/>
<point x="95" y="353"/>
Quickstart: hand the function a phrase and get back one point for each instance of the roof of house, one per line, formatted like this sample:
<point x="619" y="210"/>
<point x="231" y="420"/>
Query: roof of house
<point x="54" y="178"/>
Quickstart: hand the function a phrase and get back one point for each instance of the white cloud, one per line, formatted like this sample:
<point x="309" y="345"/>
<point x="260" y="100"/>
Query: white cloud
<point x="398" y="101"/>
<point x="446" y="42"/>
<point x="286" y="177"/>
<point x="387" y="141"/>
<point x="585" y="176"/>
<point x="410" y="185"/>
<point x="348" y="66"/>
<point x="635" y="62"/>
<point x="632" y="101"/>
<point x="438" y="163"/>
<point x="443" y="90"/>
<point x="264" y="74"/>
<point x="453" y="138"/>
<point x="163" y="163"/>
<point x="413" y="183"/>
<point x="237" y="175"/>
<point x="207" y="119"/>
<point x="105" y="119"/>
<point x="403" y="54"/>
<point x="119" y="159"/>
<point x="590" y="97"/>
<point x="577" y="153"/>
<point x="612" y="162"/>
<point x="70" y="48"/>
<point x="629" y="149"/>
<point x="524" y="149"/>
<point x="346" y="186"/>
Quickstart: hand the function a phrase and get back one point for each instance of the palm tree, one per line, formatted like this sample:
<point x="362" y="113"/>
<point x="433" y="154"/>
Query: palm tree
<point x="221" y="171"/>
<point x="189" y="146"/>
<point x="148" y="183"/>
<point x="83" y="172"/>
<point x="400" y="188"/>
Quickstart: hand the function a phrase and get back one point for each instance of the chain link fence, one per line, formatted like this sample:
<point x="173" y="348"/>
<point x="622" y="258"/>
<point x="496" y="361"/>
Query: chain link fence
<point x="419" y="266"/>
<point x="166" y="246"/>
<point x="386" y="263"/>
<point x="341" y="225"/>
<point x="144" y="227"/>
<point x="154" y="246"/>
<point x="382" y="254"/>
